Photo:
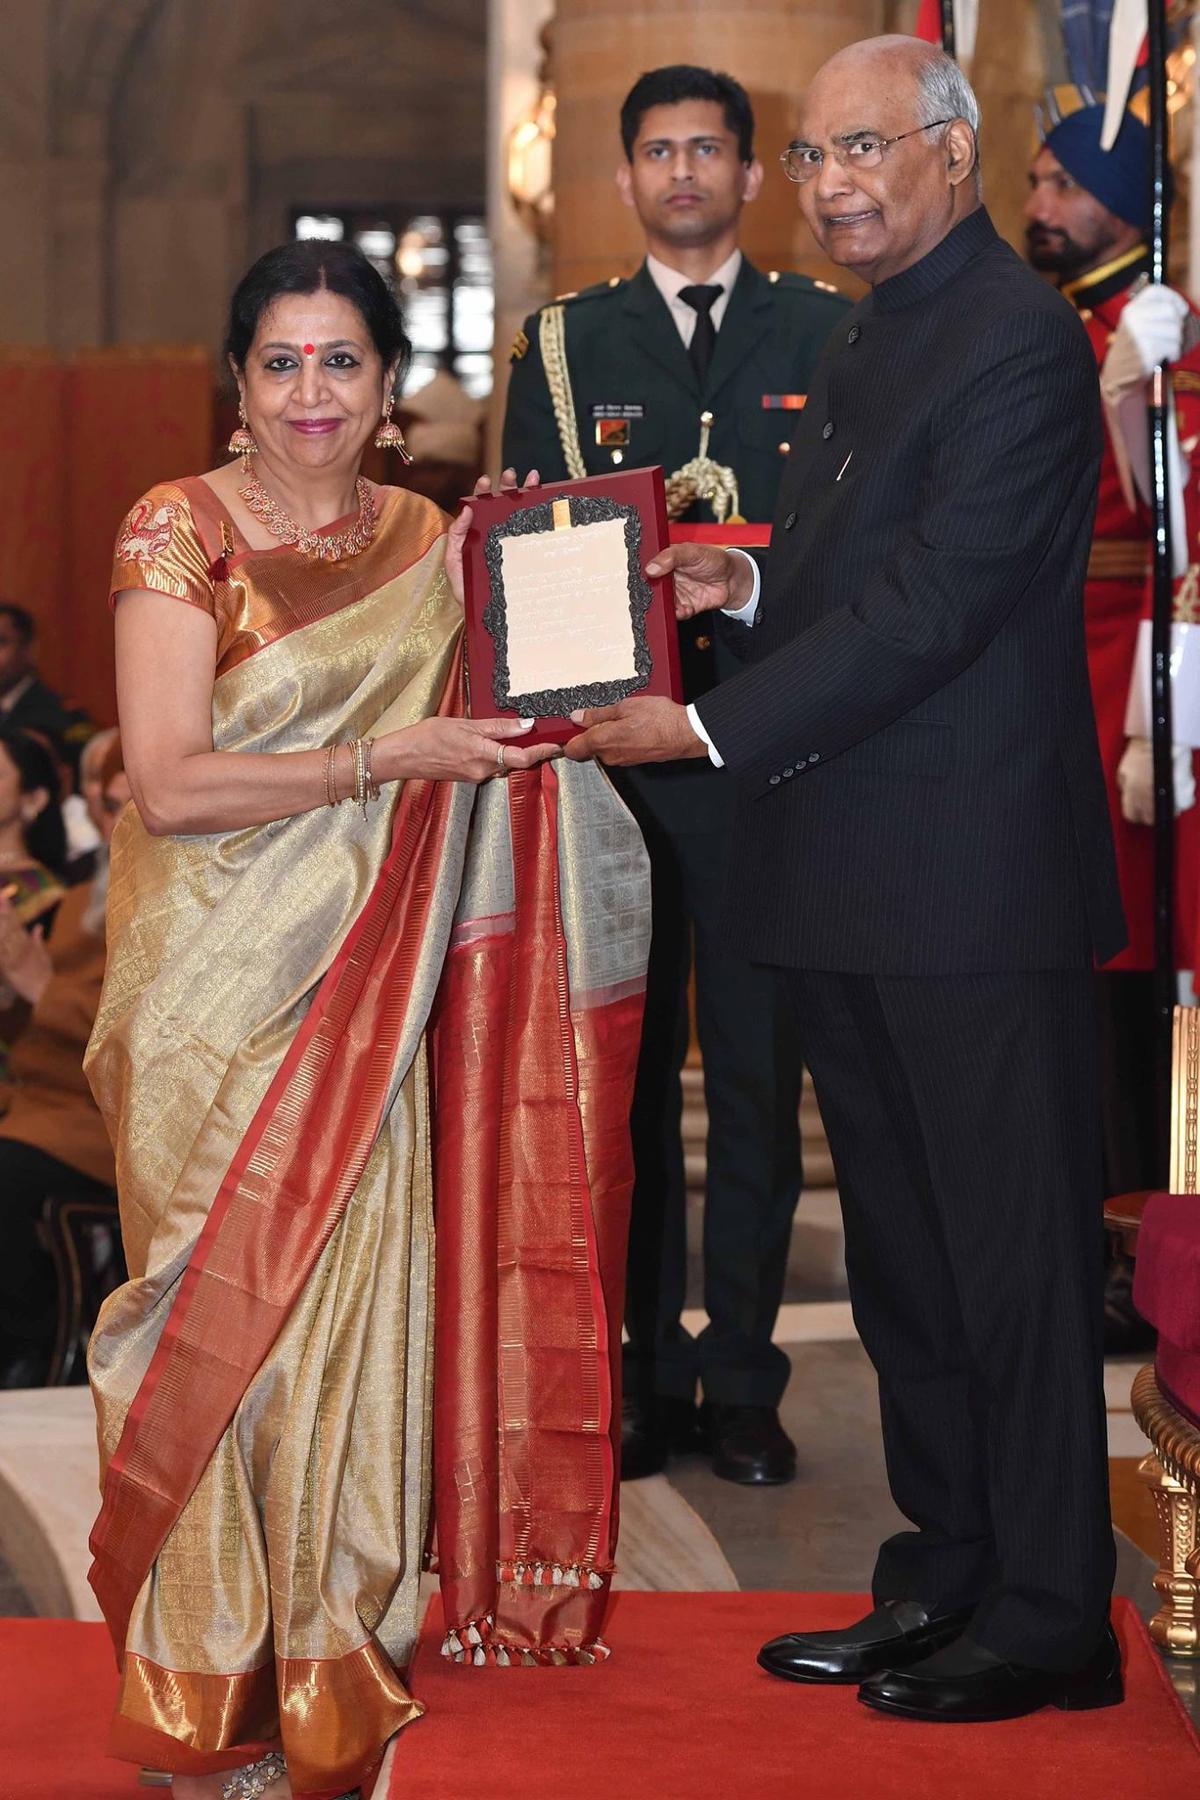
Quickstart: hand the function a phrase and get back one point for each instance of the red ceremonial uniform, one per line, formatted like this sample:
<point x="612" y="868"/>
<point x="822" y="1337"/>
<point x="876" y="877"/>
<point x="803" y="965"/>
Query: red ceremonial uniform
<point x="1116" y="599"/>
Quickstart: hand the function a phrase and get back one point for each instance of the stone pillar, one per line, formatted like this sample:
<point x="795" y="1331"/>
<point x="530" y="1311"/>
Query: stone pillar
<point x="600" y="48"/>
<point x="26" y="187"/>
<point x="521" y="265"/>
<point x="1008" y="75"/>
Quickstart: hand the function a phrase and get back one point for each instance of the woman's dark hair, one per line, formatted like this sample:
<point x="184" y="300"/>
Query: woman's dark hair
<point x="305" y="267"/>
<point x="683" y="81"/>
<point x="46" y="837"/>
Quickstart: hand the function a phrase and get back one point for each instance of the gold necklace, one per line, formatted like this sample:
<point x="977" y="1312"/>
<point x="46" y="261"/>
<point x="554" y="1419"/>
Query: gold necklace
<point x="330" y="545"/>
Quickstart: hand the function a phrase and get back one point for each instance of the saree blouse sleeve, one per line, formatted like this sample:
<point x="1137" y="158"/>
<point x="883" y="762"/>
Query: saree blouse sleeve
<point x="159" y="547"/>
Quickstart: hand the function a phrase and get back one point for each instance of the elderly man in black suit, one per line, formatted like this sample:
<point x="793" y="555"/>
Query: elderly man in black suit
<point x="924" y="848"/>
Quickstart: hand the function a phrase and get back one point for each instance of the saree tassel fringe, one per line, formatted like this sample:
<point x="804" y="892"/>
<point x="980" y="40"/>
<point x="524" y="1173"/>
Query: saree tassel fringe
<point x="474" y="1644"/>
<point x="538" y="1574"/>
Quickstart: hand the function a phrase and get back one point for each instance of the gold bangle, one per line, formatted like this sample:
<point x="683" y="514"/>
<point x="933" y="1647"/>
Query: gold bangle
<point x="360" y="776"/>
<point x="330" y="783"/>
<point x="372" y="784"/>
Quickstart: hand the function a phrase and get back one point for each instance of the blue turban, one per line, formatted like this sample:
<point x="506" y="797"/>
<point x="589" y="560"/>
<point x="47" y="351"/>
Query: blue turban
<point x="1119" y="178"/>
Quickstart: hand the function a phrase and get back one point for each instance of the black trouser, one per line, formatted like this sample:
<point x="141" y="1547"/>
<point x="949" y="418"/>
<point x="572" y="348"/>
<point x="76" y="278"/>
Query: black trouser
<point x="963" y="1119"/>
<point x="752" y="1076"/>
<point x="28" y="1286"/>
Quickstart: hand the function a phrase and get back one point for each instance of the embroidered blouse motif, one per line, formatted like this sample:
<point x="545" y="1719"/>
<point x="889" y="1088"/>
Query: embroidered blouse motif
<point x="148" y="529"/>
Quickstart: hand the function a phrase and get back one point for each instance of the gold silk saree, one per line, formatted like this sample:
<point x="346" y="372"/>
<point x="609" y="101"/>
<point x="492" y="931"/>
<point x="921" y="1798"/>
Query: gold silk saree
<point x="322" y="1044"/>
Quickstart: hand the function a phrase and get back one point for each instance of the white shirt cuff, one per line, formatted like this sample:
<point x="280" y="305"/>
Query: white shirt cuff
<point x="745" y="614"/>
<point x="714" y="755"/>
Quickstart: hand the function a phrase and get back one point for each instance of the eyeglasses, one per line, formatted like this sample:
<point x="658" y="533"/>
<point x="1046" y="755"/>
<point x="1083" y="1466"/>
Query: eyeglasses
<point x="802" y="161"/>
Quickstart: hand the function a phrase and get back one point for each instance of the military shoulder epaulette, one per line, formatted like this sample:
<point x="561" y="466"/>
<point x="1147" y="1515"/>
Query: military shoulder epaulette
<point x="792" y="281"/>
<point x="595" y="291"/>
<point x="598" y="289"/>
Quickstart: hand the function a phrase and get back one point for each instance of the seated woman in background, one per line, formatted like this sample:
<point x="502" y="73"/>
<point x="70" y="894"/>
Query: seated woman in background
<point x="320" y="866"/>
<point x="33" y="855"/>
<point x="33" y="842"/>
<point x="52" y="1138"/>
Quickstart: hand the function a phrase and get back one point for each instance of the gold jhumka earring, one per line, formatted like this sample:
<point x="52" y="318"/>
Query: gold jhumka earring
<point x="242" y="443"/>
<point x="389" y="436"/>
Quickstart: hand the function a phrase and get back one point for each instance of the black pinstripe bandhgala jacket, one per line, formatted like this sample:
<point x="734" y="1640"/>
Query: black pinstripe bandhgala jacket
<point x="913" y="735"/>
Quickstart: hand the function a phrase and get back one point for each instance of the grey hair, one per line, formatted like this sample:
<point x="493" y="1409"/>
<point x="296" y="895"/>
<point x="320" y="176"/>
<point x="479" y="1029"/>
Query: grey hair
<point x="943" y="92"/>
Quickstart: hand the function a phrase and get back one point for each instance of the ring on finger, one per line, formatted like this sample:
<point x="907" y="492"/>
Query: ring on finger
<point x="500" y="759"/>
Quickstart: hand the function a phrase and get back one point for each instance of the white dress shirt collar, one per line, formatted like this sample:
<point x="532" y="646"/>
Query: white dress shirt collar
<point x="668" y="281"/>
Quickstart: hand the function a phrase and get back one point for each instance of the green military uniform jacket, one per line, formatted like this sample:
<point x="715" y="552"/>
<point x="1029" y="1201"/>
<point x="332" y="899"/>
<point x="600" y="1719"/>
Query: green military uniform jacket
<point x="638" y="402"/>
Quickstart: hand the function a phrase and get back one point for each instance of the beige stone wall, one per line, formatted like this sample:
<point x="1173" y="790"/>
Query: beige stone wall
<point x="150" y="148"/>
<point x="600" y="47"/>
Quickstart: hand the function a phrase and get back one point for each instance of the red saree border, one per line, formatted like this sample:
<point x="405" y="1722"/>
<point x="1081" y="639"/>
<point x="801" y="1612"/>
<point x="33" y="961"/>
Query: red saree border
<point x="284" y="1193"/>
<point x="524" y="1448"/>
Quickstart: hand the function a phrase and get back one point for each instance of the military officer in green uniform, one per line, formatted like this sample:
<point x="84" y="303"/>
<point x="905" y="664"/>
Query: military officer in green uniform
<point x="699" y="362"/>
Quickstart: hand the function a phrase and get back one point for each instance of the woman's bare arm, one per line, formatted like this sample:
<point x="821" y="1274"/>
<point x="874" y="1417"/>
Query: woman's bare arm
<point x="166" y="654"/>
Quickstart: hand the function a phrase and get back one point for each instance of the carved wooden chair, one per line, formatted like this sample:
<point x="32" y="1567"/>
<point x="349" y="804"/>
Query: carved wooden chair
<point x="1172" y="1469"/>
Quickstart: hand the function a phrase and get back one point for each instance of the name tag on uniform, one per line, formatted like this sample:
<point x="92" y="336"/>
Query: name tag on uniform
<point x="784" y="402"/>
<point x="612" y="420"/>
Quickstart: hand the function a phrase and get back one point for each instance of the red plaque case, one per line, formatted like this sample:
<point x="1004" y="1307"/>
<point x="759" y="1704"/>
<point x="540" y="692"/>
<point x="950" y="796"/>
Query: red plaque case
<point x="634" y="495"/>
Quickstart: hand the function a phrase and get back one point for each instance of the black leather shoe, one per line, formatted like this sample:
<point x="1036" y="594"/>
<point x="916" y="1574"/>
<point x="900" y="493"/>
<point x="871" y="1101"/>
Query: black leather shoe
<point x="966" y="1684"/>
<point x="898" y="1631"/>
<point x="653" y="1427"/>
<point x="748" y="1444"/>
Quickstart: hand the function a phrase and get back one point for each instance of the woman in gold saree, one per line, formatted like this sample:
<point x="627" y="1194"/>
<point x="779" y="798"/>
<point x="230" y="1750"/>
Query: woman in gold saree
<point x="322" y="1024"/>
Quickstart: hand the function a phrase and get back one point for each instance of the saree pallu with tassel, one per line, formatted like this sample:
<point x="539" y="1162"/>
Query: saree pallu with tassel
<point x="325" y="1044"/>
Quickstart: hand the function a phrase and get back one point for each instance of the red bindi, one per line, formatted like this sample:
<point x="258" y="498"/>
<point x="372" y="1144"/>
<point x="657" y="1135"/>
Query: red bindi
<point x="309" y="349"/>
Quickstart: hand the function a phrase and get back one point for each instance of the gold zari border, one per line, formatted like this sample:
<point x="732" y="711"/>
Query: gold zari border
<point x="341" y="1709"/>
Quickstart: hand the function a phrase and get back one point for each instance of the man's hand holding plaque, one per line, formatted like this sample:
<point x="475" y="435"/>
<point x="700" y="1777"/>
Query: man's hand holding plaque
<point x="706" y="579"/>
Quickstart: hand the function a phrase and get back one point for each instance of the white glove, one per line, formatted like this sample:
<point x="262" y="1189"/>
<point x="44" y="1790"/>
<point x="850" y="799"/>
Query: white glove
<point x="1150" y="332"/>
<point x="1135" y="780"/>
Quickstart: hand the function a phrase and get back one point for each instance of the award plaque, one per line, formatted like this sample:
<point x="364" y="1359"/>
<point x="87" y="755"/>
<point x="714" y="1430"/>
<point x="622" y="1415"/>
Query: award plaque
<point x="560" y="613"/>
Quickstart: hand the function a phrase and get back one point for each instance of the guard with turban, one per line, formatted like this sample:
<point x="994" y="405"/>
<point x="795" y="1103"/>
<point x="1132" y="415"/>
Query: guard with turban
<point x="1087" y="226"/>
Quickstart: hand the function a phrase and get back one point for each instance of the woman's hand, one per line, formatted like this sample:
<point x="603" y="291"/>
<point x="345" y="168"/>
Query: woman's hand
<point x="456" y="536"/>
<point x="24" y="959"/>
<point x="457" y="750"/>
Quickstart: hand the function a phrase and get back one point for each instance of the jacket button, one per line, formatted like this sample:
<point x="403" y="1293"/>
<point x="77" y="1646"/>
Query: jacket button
<point x="827" y="429"/>
<point x="815" y="757"/>
<point x="789" y="521"/>
<point x="784" y="448"/>
<point x="854" y="333"/>
<point x="787" y="773"/>
<point x="773" y="780"/>
<point x="704" y="643"/>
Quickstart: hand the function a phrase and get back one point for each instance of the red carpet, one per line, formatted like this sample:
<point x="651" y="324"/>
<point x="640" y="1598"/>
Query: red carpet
<point x="679" y="1713"/>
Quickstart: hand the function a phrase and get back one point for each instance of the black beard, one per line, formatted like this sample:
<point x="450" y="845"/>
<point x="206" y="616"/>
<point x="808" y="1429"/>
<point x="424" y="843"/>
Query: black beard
<point x="1054" y="253"/>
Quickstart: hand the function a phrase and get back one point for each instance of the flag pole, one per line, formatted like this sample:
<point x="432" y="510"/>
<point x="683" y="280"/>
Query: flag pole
<point x="948" y="44"/>
<point x="1165" y="986"/>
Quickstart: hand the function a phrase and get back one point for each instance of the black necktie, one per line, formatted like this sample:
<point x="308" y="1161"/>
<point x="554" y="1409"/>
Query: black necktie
<point x="702" y="299"/>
